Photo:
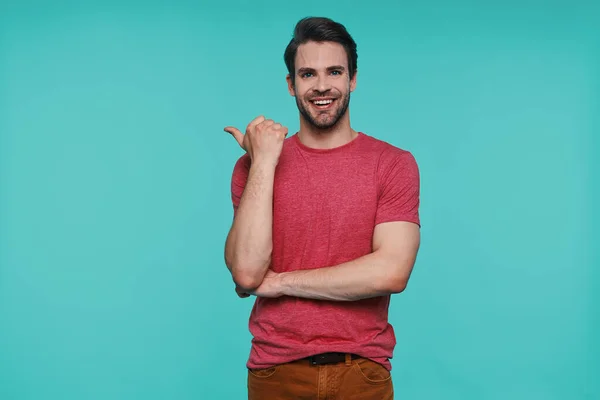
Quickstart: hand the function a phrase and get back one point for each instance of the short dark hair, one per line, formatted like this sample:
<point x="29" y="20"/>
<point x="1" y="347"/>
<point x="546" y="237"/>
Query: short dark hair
<point x="320" y="29"/>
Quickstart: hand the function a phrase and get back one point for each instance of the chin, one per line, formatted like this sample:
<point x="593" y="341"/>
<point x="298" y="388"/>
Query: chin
<point x="328" y="123"/>
<point x="324" y="127"/>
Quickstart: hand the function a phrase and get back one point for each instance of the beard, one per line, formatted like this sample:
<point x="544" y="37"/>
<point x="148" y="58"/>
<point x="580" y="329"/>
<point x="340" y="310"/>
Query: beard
<point x="324" y="120"/>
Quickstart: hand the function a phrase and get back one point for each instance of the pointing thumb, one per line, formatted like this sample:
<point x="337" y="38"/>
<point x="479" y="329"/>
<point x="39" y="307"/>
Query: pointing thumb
<point x="238" y="136"/>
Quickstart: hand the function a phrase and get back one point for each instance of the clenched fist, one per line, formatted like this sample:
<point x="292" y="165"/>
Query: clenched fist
<point x="263" y="140"/>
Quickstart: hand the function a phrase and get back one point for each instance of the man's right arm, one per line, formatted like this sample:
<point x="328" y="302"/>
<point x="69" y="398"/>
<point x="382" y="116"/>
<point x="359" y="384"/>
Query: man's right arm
<point x="249" y="242"/>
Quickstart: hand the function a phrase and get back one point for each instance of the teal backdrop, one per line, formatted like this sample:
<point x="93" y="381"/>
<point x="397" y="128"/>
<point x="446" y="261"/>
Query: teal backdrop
<point x="115" y="203"/>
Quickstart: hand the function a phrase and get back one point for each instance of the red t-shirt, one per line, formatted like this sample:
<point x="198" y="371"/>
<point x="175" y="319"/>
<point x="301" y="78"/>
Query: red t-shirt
<point x="326" y="203"/>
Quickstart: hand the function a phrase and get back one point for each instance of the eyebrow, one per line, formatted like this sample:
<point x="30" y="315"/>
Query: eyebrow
<point x="304" y="70"/>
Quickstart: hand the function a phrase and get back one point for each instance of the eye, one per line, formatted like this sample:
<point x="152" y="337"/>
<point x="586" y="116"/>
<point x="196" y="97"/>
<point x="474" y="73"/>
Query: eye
<point x="336" y="72"/>
<point x="307" y="75"/>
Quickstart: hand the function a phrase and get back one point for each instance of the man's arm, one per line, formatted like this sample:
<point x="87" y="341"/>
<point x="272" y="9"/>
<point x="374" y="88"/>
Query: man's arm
<point x="249" y="242"/>
<point x="384" y="271"/>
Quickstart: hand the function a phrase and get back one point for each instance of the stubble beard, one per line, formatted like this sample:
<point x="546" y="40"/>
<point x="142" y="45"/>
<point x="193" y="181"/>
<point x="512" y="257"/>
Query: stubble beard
<point x="329" y="123"/>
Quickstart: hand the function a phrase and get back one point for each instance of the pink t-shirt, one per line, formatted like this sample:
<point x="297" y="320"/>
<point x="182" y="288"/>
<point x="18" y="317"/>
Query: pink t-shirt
<point x="326" y="203"/>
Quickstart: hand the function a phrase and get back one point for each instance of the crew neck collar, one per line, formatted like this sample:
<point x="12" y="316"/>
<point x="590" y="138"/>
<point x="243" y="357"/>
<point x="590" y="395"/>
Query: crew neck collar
<point x="343" y="147"/>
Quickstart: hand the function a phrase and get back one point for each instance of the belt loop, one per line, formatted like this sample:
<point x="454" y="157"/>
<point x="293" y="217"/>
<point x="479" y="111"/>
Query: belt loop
<point x="348" y="359"/>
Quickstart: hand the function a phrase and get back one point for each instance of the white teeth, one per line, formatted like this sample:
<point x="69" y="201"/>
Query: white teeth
<point x="322" y="102"/>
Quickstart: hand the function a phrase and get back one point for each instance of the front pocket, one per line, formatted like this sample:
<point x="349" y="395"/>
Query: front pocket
<point x="372" y="372"/>
<point x="263" y="373"/>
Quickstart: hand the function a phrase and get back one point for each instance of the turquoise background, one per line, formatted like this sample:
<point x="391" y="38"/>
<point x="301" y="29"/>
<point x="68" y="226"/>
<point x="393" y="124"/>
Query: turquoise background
<point x="114" y="191"/>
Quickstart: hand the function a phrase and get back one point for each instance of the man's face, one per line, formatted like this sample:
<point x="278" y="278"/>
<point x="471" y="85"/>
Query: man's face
<point x="322" y="83"/>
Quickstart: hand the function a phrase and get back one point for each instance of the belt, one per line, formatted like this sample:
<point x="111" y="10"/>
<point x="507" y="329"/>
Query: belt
<point x="330" y="358"/>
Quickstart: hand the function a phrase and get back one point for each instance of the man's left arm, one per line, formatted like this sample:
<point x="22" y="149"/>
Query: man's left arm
<point x="384" y="271"/>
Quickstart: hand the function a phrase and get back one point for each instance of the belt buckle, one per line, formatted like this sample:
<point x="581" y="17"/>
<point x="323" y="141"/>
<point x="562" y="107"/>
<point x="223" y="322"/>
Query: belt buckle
<point x="313" y="359"/>
<point x="324" y="358"/>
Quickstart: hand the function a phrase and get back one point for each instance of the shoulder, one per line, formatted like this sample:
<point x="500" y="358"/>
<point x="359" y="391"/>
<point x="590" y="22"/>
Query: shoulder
<point x="242" y="164"/>
<point x="241" y="170"/>
<point x="388" y="155"/>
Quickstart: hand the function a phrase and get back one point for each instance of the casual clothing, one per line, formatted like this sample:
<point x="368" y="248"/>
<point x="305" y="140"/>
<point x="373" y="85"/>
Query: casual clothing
<point x="326" y="204"/>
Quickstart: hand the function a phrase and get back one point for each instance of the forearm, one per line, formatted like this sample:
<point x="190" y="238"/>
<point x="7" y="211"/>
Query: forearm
<point x="249" y="243"/>
<point x="369" y="276"/>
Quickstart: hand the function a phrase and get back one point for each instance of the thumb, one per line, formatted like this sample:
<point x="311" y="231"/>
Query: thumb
<point x="237" y="135"/>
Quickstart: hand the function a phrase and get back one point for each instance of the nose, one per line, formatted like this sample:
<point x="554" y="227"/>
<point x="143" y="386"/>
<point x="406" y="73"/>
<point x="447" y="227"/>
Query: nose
<point x="322" y="83"/>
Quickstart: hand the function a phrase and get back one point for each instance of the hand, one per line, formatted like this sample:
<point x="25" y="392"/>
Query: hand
<point x="270" y="287"/>
<point x="263" y="140"/>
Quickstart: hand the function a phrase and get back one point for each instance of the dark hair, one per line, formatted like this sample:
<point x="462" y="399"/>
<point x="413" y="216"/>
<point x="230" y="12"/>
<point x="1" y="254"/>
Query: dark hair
<point x="320" y="29"/>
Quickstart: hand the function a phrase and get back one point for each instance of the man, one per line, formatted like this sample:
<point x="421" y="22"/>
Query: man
<point x="326" y="227"/>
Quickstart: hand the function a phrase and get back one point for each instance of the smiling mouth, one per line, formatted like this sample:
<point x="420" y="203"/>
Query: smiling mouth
<point x="322" y="104"/>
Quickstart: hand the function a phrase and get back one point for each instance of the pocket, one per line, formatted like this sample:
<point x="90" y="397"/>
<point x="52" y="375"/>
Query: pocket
<point x="372" y="372"/>
<point x="263" y="373"/>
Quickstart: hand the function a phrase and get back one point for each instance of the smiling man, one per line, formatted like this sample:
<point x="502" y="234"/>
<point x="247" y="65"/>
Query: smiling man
<point x="326" y="228"/>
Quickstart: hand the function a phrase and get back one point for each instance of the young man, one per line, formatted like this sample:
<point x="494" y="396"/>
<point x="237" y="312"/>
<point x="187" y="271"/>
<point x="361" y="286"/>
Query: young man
<point x="326" y="227"/>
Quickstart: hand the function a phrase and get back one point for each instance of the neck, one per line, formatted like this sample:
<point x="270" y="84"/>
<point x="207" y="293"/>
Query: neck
<point x="338" y="135"/>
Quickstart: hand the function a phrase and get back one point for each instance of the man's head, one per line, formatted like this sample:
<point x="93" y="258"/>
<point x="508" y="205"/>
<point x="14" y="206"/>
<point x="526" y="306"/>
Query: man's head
<point x="321" y="60"/>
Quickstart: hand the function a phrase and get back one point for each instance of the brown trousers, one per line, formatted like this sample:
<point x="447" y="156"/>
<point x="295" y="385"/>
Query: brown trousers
<point x="299" y="380"/>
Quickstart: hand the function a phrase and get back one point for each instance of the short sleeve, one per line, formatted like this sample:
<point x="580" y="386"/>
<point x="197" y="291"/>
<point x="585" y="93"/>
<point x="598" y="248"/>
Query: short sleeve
<point x="399" y="191"/>
<point x="239" y="178"/>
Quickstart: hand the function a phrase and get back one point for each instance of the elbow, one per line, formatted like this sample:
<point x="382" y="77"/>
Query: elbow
<point x="396" y="285"/>
<point x="249" y="276"/>
<point x="397" y="281"/>
<point x="247" y="271"/>
<point x="246" y="281"/>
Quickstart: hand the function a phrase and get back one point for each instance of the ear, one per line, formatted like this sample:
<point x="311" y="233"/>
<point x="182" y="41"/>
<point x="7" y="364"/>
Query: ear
<point x="353" y="82"/>
<point x="290" y="85"/>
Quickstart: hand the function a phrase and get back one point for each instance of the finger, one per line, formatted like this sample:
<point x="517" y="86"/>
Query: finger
<point x="266" y="123"/>
<point x="255" y="122"/>
<point x="258" y="120"/>
<point x="238" y="136"/>
<point x="279" y="127"/>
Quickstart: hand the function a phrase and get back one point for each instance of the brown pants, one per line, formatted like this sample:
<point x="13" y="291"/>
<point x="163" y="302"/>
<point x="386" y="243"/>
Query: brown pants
<point x="299" y="380"/>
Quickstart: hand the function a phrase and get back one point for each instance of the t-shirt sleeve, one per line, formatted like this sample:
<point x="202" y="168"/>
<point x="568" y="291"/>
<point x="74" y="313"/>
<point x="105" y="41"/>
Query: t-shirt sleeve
<point x="399" y="190"/>
<point x="239" y="178"/>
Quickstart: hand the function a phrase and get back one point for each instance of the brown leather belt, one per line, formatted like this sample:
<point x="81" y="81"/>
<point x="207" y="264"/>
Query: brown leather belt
<point x="330" y="358"/>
